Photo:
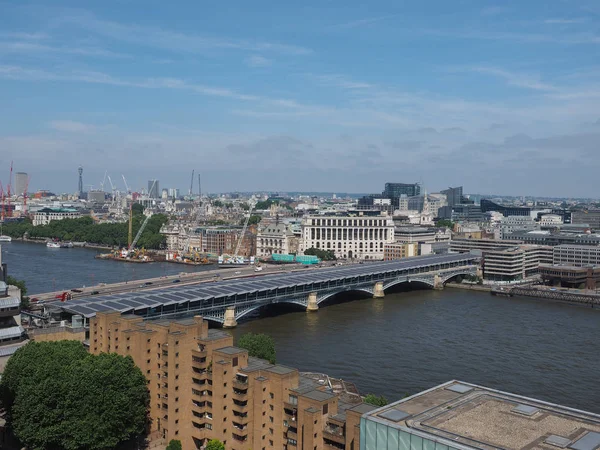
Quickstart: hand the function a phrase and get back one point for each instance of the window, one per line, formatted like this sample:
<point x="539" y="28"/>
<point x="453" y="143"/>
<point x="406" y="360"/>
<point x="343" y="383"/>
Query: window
<point x="234" y="362"/>
<point x="271" y="395"/>
<point x="293" y="399"/>
<point x="325" y="408"/>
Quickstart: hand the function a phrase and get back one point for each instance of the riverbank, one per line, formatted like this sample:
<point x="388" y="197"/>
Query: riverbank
<point x="88" y="245"/>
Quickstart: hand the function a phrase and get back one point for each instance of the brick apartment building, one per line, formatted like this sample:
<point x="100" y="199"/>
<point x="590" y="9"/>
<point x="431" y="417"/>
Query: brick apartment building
<point x="202" y="388"/>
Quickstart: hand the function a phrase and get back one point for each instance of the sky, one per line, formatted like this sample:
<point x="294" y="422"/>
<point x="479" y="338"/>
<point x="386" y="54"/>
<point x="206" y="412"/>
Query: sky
<point x="500" y="97"/>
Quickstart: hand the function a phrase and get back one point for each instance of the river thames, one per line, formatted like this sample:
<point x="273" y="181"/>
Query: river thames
<point x="402" y="344"/>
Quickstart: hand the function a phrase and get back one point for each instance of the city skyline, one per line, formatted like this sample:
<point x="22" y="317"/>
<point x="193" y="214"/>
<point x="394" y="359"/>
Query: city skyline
<point x="332" y="97"/>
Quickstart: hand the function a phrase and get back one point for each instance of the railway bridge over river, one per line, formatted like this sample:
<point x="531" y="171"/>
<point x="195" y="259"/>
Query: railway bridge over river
<point x="228" y="301"/>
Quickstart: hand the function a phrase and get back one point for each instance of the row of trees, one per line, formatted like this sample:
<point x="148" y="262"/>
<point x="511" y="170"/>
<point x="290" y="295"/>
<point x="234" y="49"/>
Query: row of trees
<point x="86" y="230"/>
<point x="323" y="255"/>
<point x="57" y="395"/>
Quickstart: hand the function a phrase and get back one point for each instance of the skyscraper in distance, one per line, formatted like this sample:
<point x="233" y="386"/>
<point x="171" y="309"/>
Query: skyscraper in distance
<point x="80" y="187"/>
<point x="20" y="183"/>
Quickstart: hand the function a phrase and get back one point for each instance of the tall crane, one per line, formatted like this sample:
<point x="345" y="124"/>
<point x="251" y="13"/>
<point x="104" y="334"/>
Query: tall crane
<point x="25" y="195"/>
<point x="139" y="233"/>
<point x="192" y="183"/>
<point x="8" y="193"/>
<point x="103" y="181"/>
<point x="126" y="186"/>
<point x="239" y="242"/>
<point x="2" y="211"/>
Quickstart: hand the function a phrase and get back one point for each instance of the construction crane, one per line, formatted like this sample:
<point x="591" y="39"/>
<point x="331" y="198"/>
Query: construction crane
<point x="8" y="193"/>
<point x="239" y="242"/>
<point x="126" y="186"/>
<point x="103" y="181"/>
<point x="139" y="233"/>
<point x="192" y="183"/>
<point x="25" y="196"/>
<point x="2" y="212"/>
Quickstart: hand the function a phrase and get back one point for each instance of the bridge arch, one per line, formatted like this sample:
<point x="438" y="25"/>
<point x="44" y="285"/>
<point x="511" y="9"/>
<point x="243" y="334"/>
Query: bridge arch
<point x="324" y="297"/>
<point x="424" y="281"/>
<point x="258" y="306"/>
<point x="449" y="277"/>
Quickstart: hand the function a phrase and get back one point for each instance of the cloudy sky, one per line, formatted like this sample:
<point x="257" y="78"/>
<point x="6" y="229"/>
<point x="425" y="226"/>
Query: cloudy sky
<point x="500" y="97"/>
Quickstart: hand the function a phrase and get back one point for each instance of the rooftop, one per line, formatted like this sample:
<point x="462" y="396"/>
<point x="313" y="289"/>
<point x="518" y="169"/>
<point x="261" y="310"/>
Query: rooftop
<point x="231" y="350"/>
<point x="467" y="416"/>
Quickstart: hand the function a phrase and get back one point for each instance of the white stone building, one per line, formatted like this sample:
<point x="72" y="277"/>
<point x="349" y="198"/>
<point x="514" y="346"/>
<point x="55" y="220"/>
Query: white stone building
<point x="46" y="215"/>
<point x="349" y="236"/>
<point x="274" y="238"/>
<point x="551" y="221"/>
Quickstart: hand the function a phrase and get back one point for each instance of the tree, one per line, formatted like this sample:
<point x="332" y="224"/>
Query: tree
<point x="175" y="445"/>
<point x="217" y="203"/>
<point x="324" y="255"/>
<point x="215" y="444"/>
<point x="374" y="400"/>
<point x="445" y="223"/>
<point x="21" y="285"/>
<point x="59" y="396"/>
<point x="137" y="209"/>
<point x="254" y="219"/>
<point x="258" y="345"/>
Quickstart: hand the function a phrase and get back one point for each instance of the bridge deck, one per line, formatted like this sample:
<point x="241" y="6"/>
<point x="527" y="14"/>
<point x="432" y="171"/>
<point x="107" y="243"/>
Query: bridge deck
<point x="219" y="294"/>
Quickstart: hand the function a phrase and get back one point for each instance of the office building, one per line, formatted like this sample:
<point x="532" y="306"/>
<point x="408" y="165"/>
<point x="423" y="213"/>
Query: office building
<point x="275" y="238"/>
<point x="463" y="416"/>
<point x="511" y="224"/>
<point x="466" y="245"/>
<point x="202" y="387"/>
<point x="547" y="238"/>
<point x="464" y="213"/>
<point x="357" y="235"/>
<point x="488" y="205"/>
<point x="396" y="190"/>
<point x="576" y="255"/>
<point x="551" y="221"/>
<point x="153" y="189"/>
<point x="515" y="263"/>
<point x="96" y="196"/>
<point x="399" y="250"/>
<point x="454" y="196"/>
<point x="46" y="215"/>
<point x="571" y="276"/>
<point x="590" y="217"/>
<point x="20" y="183"/>
<point x="173" y="193"/>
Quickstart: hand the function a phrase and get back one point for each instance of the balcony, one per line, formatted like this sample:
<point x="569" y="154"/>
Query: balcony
<point x="335" y="434"/>
<point x="292" y="433"/>
<point x="239" y="394"/>
<point x="240" y="382"/>
<point x="239" y="426"/>
<point x="332" y="445"/>
<point x="240" y="418"/>
<point x="239" y="438"/>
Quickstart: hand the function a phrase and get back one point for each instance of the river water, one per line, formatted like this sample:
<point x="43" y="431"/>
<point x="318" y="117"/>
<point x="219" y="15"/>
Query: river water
<point x="54" y="269"/>
<point x="402" y="344"/>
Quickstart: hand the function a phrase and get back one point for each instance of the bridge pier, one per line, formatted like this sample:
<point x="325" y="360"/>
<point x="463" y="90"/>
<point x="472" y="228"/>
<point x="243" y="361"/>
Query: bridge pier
<point x="378" y="290"/>
<point x="438" y="284"/>
<point x="230" y="321"/>
<point x="312" y="306"/>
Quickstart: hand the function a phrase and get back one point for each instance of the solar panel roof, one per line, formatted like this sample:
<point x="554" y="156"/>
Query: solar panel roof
<point x="180" y="294"/>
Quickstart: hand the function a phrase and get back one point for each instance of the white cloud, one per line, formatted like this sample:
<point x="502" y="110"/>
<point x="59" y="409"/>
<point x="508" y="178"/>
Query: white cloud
<point x="258" y="61"/>
<point x="70" y="126"/>
<point x="562" y="21"/>
<point x="360" y="22"/>
<point x="34" y="47"/>
<point x="172" y="40"/>
<point x="514" y="79"/>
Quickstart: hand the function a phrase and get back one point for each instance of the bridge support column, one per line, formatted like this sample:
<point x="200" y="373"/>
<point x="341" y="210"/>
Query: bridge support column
<point x="479" y="272"/>
<point x="378" y="290"/>
<point x="312" y="306"/>
<point x="438" y="283"/>
<point x="230" y="321"/>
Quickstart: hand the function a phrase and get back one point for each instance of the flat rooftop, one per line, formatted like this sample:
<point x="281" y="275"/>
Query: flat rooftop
<point x="467" y="416"/>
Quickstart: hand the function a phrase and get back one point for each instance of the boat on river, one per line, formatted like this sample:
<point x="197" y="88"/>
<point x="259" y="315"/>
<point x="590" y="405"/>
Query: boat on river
<point x="52" y="244"/>
<point x="3" y="237"/>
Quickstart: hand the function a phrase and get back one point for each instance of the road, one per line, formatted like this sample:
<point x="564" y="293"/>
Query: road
<point x="160" y="282"/>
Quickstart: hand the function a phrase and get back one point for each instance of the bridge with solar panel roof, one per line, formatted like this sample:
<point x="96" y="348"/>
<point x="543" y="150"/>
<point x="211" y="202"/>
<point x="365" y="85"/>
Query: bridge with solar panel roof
<point x="228" y="301"/>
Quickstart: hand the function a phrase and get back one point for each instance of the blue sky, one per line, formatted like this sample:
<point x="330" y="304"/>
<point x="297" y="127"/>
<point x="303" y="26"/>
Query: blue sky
<point x="500" y="97"/>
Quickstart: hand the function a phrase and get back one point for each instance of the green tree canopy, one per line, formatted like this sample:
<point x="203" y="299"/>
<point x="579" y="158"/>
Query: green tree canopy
<point x="59" y="396"/>
<point x="174" y="445"/>
<point x="324" y="255"/>
<point x="258" y="345"/>
<point x="217" y="203"/>
<point x="254" y="219"/>
<point x="445" y="223"/>
<point x="85" y="229"/>
<point x="374" y="400"/>
<point x="215" y="444"/>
